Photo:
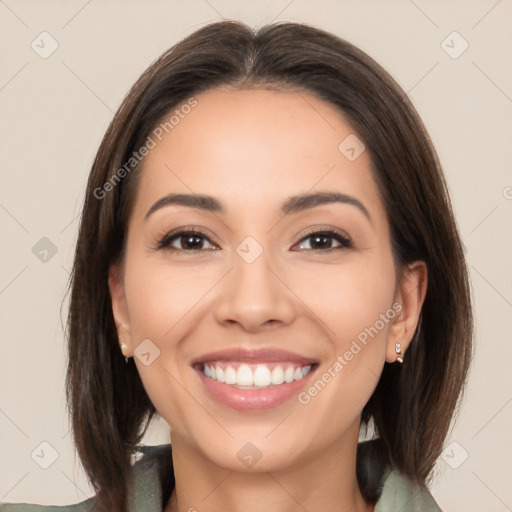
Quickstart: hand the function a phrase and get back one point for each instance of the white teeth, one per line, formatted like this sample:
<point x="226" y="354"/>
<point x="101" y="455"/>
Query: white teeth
<point x="277" y="375"/>
<point x="261" y="377"/>
<point x="244" y="376"/>
<point x="306" y="370"/>
<point x="230" y="375"/>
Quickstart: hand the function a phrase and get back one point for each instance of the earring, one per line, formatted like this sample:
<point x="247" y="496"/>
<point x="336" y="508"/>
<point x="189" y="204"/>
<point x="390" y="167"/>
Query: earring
<point x="398" y="350"/>
<point x="124" y="348"/>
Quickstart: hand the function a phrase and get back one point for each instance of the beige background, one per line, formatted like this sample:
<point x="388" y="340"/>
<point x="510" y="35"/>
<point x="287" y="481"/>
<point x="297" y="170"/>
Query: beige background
<point x="54" y="112"/>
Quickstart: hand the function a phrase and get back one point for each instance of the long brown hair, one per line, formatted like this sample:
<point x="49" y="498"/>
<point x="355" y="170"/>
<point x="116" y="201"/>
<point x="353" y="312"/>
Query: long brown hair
<point x="414" y="403"/>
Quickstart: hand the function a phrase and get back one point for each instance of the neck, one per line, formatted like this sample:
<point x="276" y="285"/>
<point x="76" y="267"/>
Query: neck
<point x="326" y="481"/>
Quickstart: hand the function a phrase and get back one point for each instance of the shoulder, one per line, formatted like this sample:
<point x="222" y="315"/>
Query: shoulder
<point x="399" y="493"/>
<point x="390" y="489"/>
<point x="146" y="489"/>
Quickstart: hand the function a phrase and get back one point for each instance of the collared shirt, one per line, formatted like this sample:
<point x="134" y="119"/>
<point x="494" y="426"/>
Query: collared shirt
<point x="398" y="493"/>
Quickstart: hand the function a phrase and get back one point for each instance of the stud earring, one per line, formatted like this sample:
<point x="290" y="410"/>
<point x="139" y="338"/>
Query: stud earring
<point x="398" y="350"/>
<point x="124" y="349"/>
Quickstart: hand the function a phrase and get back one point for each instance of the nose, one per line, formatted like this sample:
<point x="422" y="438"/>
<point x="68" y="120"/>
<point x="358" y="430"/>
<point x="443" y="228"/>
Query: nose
<point x="253" y="296"/>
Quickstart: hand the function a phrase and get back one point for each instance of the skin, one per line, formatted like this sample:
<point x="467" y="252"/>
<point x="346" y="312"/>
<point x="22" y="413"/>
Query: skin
<point x="252" y="149"/>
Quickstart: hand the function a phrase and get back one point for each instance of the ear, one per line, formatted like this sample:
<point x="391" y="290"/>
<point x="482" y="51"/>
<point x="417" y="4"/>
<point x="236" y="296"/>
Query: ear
<point x="120" y="309"/>
<point x="410" y="293"/>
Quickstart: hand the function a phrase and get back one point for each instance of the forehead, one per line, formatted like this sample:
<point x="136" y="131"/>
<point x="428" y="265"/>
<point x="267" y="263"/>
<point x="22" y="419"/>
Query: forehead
<point x="253" y="147"/>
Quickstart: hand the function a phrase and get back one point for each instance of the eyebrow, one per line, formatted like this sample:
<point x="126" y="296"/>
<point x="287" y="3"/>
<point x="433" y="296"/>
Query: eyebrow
<point x="293" y="204"/>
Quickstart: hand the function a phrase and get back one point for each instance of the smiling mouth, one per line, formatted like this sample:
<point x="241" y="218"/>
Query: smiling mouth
<point x="254" y="380"/>
<point x="254" y="375"/>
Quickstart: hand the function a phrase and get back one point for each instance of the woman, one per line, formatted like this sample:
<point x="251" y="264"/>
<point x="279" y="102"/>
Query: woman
<point x="267" y="259"/>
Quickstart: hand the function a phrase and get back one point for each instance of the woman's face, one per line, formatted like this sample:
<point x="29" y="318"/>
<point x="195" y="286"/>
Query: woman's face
<point x="261" y="295"/>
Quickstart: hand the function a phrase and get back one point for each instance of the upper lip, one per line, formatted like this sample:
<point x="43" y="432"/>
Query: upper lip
<point x="259" y="355"/>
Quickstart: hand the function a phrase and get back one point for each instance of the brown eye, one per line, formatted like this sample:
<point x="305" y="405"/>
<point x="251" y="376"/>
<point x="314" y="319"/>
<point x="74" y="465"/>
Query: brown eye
<point x="184" y="241"/>
<point x="325" y="240"/>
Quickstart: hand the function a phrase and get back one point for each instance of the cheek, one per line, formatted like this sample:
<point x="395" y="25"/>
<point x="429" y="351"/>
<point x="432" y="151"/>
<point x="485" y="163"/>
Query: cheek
<point x="350" y="298"/>
<point x="356" y="310"/>
<point x="161" y="296"/>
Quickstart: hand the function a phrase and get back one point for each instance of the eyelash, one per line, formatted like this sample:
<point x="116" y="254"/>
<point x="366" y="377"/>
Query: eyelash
<point x="167" y="239"/>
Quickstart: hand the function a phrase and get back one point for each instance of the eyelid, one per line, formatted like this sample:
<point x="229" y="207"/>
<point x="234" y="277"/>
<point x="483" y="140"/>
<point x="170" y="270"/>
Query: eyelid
<point x="323" y="229"/>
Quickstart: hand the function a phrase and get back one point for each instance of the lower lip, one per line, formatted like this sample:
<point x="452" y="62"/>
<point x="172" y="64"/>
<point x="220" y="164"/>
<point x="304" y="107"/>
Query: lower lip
<point x="253" y="399"/>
